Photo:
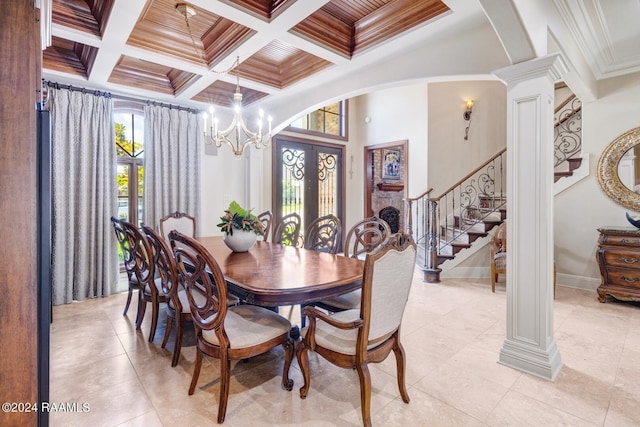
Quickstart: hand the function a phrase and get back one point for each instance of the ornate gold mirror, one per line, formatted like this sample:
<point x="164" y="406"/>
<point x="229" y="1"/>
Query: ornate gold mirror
<point x="608" y="175"/>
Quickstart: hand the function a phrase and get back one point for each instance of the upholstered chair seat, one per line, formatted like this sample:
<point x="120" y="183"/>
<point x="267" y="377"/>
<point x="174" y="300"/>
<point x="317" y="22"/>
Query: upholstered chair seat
<point x="248" y="326"/>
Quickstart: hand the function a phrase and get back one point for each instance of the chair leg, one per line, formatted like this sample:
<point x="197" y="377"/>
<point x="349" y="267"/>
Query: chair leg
<point x="177" y="347"/>
<point x="365" y="392"/>
<point x="303" y="318"/>
<point x="142" y="308"/>
<point x="155" y="308"/>
<point x="196" y="372"/>
<point x="398" y="350"/>
<point x="167" y="332"/>
<point x="287" y="382"/>
<point x="126" y="306"/>
<point x="303" y="363"/>
<point x="225" y="373"/>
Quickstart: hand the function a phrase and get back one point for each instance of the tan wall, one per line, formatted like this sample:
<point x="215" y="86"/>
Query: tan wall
<point x="451" y="156"/>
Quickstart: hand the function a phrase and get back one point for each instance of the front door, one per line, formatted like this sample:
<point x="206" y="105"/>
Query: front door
<point x="309" y="180"/>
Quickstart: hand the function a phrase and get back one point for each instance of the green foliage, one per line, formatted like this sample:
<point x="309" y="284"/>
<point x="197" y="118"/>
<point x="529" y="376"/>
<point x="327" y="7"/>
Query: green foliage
<point x="236" y="217"/>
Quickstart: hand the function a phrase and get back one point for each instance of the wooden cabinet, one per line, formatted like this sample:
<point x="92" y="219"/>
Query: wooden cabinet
<point x="619" y="260"/>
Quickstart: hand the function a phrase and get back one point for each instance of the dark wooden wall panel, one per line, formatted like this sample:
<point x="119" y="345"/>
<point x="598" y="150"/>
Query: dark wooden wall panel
<point x="19" y="47"/>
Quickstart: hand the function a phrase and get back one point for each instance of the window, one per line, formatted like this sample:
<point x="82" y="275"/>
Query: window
<point x="328" y="121"/>
<point x="129" y="133"/>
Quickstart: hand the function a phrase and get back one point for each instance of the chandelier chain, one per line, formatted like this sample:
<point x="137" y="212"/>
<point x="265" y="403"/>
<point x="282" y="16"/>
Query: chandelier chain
<point x="193" y="40"/>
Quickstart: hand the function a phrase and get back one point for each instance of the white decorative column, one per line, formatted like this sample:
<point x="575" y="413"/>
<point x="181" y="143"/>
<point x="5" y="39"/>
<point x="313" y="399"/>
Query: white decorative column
<point x="530" y="345"/>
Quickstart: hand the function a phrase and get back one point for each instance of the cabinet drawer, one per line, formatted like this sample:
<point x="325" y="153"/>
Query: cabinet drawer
<point x="625" y="259"/>
<point x="628" y="278"/>
<point x="619" y="240"/>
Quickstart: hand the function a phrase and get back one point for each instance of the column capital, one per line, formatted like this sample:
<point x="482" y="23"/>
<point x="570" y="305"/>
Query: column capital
<point x="554" y="66"/>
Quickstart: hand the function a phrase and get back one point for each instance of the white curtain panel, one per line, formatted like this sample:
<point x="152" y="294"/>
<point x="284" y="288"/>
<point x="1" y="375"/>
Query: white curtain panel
<point x="172" y="140"/>
<point x="84" y="249"/>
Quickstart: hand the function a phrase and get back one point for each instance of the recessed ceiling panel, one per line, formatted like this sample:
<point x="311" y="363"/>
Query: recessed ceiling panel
<point x="280" y="65"/>
<point x="349" y="27"/>
<point x="203" y="38"/>
<point x="221" y="93"/>
<point x="265" y="9"/>
<point x="149" y="76"/>
<point x="69" y="57"/>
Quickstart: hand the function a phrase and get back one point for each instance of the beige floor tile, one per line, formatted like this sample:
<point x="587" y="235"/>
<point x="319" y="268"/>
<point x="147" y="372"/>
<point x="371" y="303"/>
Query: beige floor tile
<point x="572" y="391"/>
<point x="75" y="381"/>
<point x="623" y="409"/>
<point x="452" y="334"/>
<point x="422" y="410"/>
<point x="149" y="419"/>
<point x="465" y="391"/>
<point x="519" y="410"/>
<point x="108" y="406"/>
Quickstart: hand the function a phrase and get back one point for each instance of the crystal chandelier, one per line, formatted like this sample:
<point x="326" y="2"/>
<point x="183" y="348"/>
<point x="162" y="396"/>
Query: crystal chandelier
<point x="237" y="135"/>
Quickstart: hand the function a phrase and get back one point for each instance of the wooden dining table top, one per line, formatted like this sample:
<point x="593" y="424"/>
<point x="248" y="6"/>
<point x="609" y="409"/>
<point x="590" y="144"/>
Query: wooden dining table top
<point x="272" y="274"/>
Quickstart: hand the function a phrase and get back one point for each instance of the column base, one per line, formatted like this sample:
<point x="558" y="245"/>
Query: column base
<point x="545" y="364"/>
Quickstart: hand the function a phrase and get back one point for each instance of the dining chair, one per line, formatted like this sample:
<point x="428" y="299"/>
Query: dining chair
<point x="139" y="259"/>
<point x="363" y="238"/>
<point x="178" y="309"/>
<point x="288" y="230"/>
<point x="498" y="254"/>
<point x="498" y="257"/>
<point x="355" y="338"/>
<point x="185" y="224"/>
<point x="324" y="234"/>
<point x="122" y="241"/>
<point x="223" y="332"/>
<point x="265" y="219"/>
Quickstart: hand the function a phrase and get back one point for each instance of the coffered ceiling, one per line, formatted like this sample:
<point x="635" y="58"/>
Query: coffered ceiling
<point x="148" y="49"/>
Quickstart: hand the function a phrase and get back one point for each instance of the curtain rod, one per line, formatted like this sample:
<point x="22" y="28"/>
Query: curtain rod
<point x="115" y="96"/>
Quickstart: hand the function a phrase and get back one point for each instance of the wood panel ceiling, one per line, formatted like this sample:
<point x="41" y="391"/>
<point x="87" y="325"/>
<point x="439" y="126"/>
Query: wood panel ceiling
<point x="148" y="48"/>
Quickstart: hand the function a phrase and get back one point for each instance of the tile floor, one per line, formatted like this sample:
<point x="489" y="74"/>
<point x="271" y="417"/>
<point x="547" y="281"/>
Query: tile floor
<point x="452" y="333"/>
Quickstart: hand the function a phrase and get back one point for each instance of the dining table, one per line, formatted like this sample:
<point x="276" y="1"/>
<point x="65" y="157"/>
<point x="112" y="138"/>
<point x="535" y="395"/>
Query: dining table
<point x="272" y="274"/>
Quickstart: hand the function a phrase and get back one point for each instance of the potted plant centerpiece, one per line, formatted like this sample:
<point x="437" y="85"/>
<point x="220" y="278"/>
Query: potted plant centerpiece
<point x="240" y="227"/>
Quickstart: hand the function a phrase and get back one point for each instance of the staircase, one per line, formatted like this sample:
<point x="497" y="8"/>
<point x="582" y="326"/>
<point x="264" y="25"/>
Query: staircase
<point x="567" y="137"/>
<point x="462" y="216"/>
<point x="452" y="222"/>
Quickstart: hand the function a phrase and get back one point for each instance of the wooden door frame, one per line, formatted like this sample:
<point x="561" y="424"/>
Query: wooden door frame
<point x="368" y="172"/>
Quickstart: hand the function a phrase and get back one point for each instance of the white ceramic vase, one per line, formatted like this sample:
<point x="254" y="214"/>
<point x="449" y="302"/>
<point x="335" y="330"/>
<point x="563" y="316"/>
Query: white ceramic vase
<point x="240" y="240"/>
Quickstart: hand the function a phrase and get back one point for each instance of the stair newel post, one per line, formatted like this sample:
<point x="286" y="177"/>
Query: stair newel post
<point x="410" y="217"/>
<point x="432" y="273"/>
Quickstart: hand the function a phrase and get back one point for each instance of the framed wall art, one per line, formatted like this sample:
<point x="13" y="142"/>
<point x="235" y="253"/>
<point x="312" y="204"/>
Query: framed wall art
<point x="391" y="164"/>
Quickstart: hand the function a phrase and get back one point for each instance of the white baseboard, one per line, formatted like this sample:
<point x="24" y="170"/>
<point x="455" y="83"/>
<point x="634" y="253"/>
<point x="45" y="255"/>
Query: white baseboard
<point x="577" y="282"/>
<point x="466" y="273"/>
<point x="562" y="279"/>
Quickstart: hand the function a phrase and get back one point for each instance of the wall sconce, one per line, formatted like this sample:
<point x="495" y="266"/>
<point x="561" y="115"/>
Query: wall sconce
<point x="467" y="117"/>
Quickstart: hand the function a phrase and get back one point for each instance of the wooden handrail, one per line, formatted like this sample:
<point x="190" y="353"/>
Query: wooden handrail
<point x="413" y="199"/>
<point x="469" y="175"/>
<point x="565" y="118"/>
<point x="565" y="102"/>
